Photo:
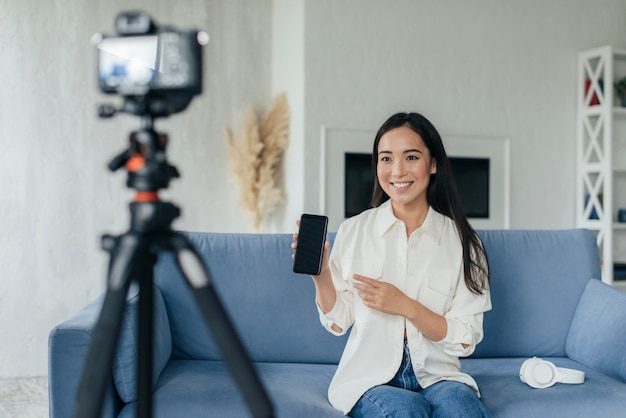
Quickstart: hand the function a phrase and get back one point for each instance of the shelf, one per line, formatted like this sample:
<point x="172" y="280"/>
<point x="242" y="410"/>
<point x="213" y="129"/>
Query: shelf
<point x="602" y="152"/>
<point x="597" y="110"/>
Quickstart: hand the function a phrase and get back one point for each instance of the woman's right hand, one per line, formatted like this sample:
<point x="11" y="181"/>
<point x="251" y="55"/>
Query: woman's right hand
<point x="325" y="264"/>
<point x="325" y="294"/>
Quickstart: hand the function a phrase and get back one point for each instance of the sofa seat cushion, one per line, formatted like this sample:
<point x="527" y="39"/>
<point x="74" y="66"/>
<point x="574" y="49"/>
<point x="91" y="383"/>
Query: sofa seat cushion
<point x="201" y="388"/>
<point x="505" y="395"/>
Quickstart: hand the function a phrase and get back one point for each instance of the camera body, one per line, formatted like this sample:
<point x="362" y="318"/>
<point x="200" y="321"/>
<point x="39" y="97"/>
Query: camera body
<point x="157" y="68"/>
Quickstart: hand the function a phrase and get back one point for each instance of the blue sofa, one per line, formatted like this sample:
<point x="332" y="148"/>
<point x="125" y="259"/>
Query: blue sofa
<point x="547" y="302"/>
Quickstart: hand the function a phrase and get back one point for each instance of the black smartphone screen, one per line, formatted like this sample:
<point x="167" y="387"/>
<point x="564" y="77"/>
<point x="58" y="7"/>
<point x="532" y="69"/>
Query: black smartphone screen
<point x="311" y="239"/>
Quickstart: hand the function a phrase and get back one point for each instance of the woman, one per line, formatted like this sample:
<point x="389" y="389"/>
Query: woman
<point x="410" y="277"/>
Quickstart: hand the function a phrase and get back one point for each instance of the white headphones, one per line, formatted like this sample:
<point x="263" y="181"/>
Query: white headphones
<point x="539" y="374"/>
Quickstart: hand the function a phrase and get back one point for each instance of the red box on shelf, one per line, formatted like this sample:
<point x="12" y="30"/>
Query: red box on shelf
<point x="594" y="98"/>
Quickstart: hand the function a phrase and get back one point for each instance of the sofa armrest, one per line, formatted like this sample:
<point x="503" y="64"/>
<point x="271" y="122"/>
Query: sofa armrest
<point x="597" y="335"/>
<point x="68" y="345"/>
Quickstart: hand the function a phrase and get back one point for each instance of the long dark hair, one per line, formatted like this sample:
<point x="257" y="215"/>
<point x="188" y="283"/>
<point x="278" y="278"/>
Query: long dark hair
<point x="442" y="196"/>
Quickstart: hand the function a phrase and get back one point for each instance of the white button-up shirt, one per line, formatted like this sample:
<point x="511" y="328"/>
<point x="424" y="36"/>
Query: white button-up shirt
<point x="428" y="267"/>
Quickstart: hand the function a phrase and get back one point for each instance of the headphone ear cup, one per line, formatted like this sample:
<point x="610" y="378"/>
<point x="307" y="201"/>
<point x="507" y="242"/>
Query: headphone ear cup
<point x="538" y="373"/>
<point x="522" y="370"/>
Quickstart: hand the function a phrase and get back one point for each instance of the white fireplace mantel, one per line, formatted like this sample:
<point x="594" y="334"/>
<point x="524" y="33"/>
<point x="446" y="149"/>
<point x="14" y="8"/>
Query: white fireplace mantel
<point x="336" y="142"/>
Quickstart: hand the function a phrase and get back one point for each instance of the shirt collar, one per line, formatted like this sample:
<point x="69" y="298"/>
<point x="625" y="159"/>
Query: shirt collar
<point x="432" y="226"/>
<point x="385" y="217"/>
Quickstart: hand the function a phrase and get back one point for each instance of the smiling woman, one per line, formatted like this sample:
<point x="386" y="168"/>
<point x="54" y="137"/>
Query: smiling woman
<point x="409" y="272"/>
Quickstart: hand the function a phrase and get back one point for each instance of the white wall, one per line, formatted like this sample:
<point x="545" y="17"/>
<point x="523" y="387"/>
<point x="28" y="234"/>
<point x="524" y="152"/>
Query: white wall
<point x="288" y="76"/>
<point x="485" y="67"/>
<point x="481" y="67"/>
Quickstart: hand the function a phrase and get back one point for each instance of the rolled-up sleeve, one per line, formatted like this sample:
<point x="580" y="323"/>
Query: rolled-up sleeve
<point x="342" y="313"/>
<point x="462" y="332"/>
<point x="465" y="323"/>
<point x="339" y="315"/>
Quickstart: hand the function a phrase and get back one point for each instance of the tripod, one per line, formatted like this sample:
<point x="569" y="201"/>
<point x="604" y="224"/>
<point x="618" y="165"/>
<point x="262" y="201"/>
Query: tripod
<point x="132" y="258"/>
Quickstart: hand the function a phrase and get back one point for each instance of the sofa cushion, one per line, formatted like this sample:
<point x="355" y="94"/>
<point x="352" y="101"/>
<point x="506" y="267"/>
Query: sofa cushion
<point x="537" y="277"/>
<point x="205" y="389"/>
<point x="271" y="308"/>
<point x="125" y="360"/>
<point x="597" y="336"/>
<point x="504" y="394"/>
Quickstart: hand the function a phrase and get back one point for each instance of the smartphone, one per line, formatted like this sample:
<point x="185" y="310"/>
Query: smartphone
<point x="311" y="239"/>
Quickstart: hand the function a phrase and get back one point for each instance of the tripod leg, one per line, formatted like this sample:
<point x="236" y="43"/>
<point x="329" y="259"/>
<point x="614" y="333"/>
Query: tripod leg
<point x="144" y="360"/>
<point x="97" y="368"/>
<point x="233" y="351"/>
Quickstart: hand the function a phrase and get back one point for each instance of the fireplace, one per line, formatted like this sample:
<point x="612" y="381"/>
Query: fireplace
<point x="471" y="176"/>
<point x="480" y="166"/>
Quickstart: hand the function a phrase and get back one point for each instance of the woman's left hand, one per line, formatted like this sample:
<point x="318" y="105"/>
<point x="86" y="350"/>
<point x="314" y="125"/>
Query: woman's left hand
<point x="387" y="298"/>
<point x="381" y="296"/>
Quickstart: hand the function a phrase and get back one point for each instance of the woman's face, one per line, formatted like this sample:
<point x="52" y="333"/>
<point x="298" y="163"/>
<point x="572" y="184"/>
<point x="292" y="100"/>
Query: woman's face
<point x="404" y="167"/>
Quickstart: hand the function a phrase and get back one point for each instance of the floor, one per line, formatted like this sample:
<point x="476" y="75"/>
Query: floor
<point x="24" y="397"/>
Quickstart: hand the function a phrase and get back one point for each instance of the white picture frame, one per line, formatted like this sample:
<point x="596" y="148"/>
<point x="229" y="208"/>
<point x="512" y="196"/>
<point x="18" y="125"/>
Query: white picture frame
<point x="336" y="142"/>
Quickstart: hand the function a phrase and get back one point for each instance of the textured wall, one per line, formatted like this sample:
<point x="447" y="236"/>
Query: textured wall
<point x="57" y="195"/>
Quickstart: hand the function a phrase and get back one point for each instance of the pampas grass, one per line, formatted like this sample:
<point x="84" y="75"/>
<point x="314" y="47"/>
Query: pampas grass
<point x="255" y="155"/>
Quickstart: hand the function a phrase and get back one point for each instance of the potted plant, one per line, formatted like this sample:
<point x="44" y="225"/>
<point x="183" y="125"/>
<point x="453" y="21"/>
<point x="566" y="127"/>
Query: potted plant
<point x="620" y="90"/>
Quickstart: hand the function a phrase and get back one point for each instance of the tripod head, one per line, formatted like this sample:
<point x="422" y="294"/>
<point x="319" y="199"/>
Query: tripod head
<point x="148" y="172"/>
<point x="145" y="159"/>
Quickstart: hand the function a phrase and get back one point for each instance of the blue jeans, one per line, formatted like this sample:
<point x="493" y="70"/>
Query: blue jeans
<point x="404" y="397"/>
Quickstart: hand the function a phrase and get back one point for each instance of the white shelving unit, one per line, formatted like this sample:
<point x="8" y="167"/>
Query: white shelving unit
<point x="601" y="131"/>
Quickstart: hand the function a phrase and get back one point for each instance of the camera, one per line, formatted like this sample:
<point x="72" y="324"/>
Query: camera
<point x="158" y="70"/>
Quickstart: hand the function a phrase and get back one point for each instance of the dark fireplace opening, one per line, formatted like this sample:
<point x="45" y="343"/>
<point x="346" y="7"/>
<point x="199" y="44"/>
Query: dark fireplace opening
<point x="470" y="174"/>
<point x="358" y="182"/>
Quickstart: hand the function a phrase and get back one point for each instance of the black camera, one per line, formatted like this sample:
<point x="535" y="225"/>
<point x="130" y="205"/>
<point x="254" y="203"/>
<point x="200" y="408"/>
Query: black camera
<point x="158" y="70"/>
